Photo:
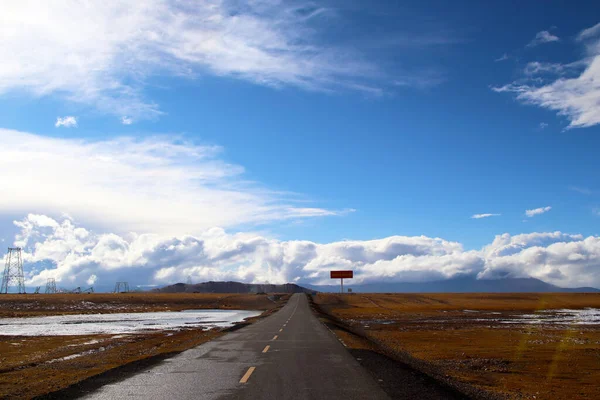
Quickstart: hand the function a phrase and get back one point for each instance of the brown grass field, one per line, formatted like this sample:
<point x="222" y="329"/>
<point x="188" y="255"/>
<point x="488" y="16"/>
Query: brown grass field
<point x="34" y="366"/>
<point x="459" y="336"/>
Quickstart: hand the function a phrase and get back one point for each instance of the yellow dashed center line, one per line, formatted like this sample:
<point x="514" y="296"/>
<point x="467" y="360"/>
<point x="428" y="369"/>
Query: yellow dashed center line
<point x="247" y="375"/>
<point x="266" y="349"/>
<point x="274" y="337"/>
<point x="281" y="330"/>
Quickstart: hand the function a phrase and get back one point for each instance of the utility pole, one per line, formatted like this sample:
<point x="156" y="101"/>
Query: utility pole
<point x="13" y="271"/>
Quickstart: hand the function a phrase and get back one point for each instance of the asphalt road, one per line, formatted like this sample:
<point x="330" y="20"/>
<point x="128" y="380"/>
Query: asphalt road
<point x="288" y="355"/>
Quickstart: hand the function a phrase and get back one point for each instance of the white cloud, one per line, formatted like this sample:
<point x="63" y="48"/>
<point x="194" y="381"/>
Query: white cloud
<point x="156" y="184"/>
<point x="503" y="57"/>
<point x="102" y="53"/>
<point x="67" y="122"/>
<point x="92" y="279"/>
<point x="74" y="255"/>
<point x="543" y="37"/>
<point x="126" y="120"/>
<point x="581" y="190"/>
<point x="479" y="216"/>
<point x="536" y="68"/>
<point x="542" y="126"/>
<point x="575" y="97"/>
<point x="589" y="32"/>
<point x="537" y="211"/>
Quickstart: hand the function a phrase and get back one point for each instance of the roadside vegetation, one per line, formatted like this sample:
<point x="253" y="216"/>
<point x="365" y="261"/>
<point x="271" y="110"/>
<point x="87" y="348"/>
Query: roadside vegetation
<point x="507" y="345"/>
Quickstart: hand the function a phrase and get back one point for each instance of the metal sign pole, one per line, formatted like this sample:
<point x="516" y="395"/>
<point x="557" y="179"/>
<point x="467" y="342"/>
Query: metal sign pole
<point x="341" y="275"/>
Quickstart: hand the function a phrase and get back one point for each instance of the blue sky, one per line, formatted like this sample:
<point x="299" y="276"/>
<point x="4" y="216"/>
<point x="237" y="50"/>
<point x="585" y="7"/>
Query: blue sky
<point x="359" y="122"/>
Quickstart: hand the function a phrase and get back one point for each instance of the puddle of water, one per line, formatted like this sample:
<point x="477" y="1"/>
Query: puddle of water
<point x="124" y="323"/>
<point x="586" y="316"/>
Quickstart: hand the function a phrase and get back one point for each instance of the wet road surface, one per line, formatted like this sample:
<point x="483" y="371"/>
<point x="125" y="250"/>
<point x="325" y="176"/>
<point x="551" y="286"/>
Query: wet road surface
<point x="288" y="355"/>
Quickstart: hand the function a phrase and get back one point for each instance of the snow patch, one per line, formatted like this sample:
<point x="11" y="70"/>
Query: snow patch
<point x="123" y="323"/>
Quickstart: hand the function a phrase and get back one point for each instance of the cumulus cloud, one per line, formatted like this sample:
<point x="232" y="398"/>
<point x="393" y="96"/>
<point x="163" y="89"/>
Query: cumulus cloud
<point x="480" y="216"/>
<point x="67" y="122"/>
<point x="575" y="97"/>
<point x="103" y="53"/>
<point x="537" y="211"/>
<point x="74" y="255"/>
<point x="562" y="259"/>
<point x="155" y="184"/>
<point x="543" y="37"/>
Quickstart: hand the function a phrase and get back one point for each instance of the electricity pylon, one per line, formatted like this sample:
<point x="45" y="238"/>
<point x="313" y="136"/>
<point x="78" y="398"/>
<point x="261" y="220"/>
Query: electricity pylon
<point x="121" y="287"/>
<point x="13" y="271"/>
<point x="51" y="286"/>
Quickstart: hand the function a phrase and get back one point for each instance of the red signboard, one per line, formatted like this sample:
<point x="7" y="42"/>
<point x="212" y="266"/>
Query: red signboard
<point x="341" y="274"/>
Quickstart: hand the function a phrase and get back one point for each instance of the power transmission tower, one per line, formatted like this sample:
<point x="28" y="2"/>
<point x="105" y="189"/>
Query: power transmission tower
<point x="13" y="271"/>
<point x="37" y="290"/>
<point x="122" y="287"/>
<point x="51" y="286"/>
<point x="89" y="290"/>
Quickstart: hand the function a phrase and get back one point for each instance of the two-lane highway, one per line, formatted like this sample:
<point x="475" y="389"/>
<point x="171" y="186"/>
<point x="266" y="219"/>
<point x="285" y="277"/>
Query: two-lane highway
<point x="288" y="355"/>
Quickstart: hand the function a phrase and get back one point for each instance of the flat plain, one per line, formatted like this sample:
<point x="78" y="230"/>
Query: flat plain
<point x="542" y="346"/>
<point x="32" y="366"/>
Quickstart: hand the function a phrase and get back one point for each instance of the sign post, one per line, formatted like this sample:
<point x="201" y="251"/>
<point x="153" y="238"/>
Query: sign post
<point x="341" y="275"/>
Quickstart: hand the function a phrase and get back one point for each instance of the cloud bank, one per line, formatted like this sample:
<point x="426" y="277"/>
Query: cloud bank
<point x="74" y="256"/>
<point x="576" y="97"/>
<point x="103" y="53"/>
<point x="156" y="184"/>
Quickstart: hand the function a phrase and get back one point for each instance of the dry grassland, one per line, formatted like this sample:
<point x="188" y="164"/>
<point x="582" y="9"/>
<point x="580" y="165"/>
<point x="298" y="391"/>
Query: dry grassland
<point x="34" y="366"/>
<point x="34" y="305"/>
<point x="462" y="336"/>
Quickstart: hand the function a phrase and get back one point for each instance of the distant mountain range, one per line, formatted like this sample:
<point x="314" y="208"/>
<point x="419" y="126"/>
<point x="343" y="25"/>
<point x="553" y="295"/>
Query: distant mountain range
<point x="457" y="285"/>
<point x="232" y="287"/>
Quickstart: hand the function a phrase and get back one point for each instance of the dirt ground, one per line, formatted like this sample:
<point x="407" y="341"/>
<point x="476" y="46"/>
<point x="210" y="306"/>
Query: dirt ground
<point x="481" y="340"/>
<point x="34" y="366"/>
